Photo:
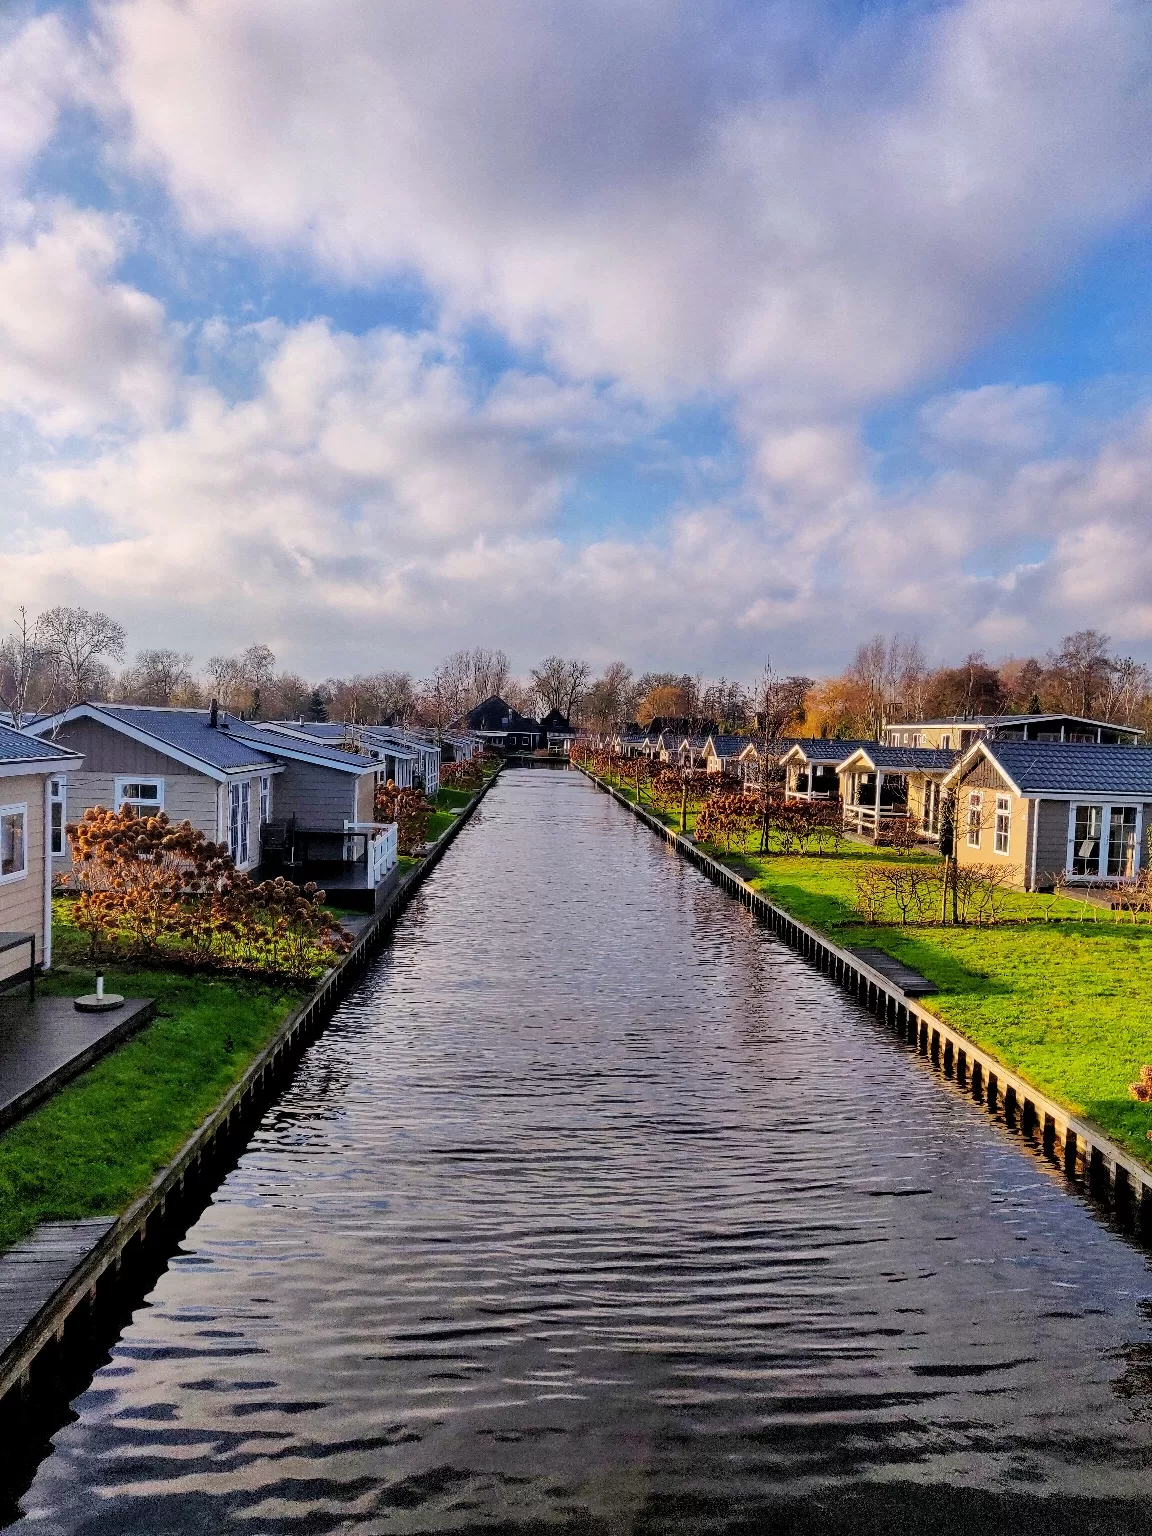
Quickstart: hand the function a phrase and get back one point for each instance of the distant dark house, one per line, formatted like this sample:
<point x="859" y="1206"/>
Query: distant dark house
<point x="502" y="728"/>
<point x="556" y="732"/>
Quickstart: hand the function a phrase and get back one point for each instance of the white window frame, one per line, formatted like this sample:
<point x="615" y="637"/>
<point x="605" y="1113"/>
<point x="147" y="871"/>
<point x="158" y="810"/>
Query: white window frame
<point x="1003" y="832"/>
<point x="265" y="799"/>
<point x="975" y="803"/>
<point x="239" y="831"/>
<point x="20" y="808"/>
<point x="58" y="796"/>
<point x="1105" y="839"/>
<point x="119" y="798"/>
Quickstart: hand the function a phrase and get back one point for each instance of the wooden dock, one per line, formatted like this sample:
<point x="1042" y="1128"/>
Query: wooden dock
<point x="33" y="1271"/>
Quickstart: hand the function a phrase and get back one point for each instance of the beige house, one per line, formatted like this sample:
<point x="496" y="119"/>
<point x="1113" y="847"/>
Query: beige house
<point x="258" y="790"/>
<point x="1052" y="810"/>
<point x="956" y="733"/>
<point x="810" y="767"/>
<point x="879" y="782"/>
<point x="32" y="778"/>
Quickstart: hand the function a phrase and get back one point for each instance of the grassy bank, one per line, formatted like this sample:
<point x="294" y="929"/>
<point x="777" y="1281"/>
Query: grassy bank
<point x="97" y="1145"/>
<point x="1061" y="993"/>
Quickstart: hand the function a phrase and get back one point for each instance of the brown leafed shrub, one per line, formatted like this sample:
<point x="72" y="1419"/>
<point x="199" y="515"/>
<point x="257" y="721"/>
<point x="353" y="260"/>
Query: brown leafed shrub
<point x="466" y="774"/>
<point x="149" y="889"/>
<point x="409" y="810"/>
<point x="1142" y="1088"/>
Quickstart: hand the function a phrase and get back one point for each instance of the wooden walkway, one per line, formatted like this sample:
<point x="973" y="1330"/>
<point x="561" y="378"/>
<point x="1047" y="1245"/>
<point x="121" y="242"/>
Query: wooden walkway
<point x="33" y="1271"/>
<point x="910" y="982"/>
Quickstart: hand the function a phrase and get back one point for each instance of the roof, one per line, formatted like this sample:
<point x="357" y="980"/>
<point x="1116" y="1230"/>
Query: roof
<point x="495" y="715"/>
<point x="557" y="723"/>
<point x="825" y="749"/>
<point x="727" y="746"/>
<point x="991" y="721"/>
<point x="902" y="759"/>
<point x="185" y="733"/>
<point x="18" y="747"/>
<point x="330" y="732"/>
<point x="275" y="741"/>
<point x="1037" y="768"/>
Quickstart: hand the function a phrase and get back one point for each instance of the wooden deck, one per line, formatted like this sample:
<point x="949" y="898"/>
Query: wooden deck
<point x="33" y="1271"/>
<point x="45" y="1042"/>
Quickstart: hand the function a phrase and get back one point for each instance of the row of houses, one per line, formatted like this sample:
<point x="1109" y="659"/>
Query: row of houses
<point x="1052" y="796"/>
<point x="291" y="798"/>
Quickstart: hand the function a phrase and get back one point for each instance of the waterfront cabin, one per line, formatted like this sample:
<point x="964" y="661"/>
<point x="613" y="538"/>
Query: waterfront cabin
<point x="879" y="783"/>
<point x="1052" y="810"/>
<point x="257" y="789"/>
<point x="721" y="754"/>
<point x="811" y="767"/>
<point x="556" y="733"/>
<point x="958" y="732"/>
<point x="502" y="728"/>
<point x="395" y="760"/>
<point x="34" y="777"/>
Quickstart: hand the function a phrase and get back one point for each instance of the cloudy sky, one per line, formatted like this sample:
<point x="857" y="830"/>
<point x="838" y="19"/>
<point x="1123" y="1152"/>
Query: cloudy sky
<point x="684" y="332"/>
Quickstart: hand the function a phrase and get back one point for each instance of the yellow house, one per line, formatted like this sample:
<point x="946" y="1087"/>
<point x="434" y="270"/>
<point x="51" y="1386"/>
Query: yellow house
<point x="32" y="779"/>
<point x="956" y="733"/>
<point x="1051" y="810"/>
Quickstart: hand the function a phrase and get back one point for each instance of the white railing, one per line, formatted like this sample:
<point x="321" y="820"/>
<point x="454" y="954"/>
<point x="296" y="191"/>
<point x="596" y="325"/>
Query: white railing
<point x="862" y="818"/>
<point x="382" y="847"/>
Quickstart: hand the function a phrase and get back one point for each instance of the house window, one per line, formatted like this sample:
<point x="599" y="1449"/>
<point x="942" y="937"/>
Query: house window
<point x="930" y="822"/>
<point x="1088" y="827"/>
<point x="239" y="804"/>
<point x="975" y="817"/>
<point x="1122" y="840"/>
<point x="13" y="842"/>
<point x="1003" y="823"/>
<point x="945" y="743"/>
<point x="58" y="801"/>
<point x="145" y="796"/>
<point x="266" y="799"/>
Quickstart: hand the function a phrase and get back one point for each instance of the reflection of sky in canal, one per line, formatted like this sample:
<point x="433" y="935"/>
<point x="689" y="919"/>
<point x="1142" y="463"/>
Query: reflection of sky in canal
<point x="599" y="1208"/>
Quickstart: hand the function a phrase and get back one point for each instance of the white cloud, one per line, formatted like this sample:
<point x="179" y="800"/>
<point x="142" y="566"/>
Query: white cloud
<point x="1008" y="417"/>
<point x="813" y="220"/>
<point x="78" y="350"/>
<point x="39" y="70"/>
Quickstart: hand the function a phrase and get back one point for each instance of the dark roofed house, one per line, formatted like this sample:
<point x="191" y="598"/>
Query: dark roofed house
<point x="958" y="732"/>
<point x="880" y="782"/>
<point x="502" y="728"/>
<point x="556" y="733"/>
<point x="275" y="800"/>
<point x="810" y="767"/>
<point x="1051" y="810"/>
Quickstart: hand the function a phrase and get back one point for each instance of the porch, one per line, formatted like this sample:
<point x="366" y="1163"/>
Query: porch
<point x="356" y="867"/>
<point x="873" y="799"/>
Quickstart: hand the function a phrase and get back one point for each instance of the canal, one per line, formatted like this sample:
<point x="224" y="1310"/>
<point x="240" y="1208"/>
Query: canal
<point x="596" y="1208"/>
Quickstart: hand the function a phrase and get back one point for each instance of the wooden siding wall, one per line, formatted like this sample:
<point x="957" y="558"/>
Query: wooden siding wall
<point x="22" y="901"/>
<point x="984" y="775"/>
<point x="188" y="796"/>
<point x="322" y="798"/>
<point x="110" y="752"/>
<point x="365" y="797"/>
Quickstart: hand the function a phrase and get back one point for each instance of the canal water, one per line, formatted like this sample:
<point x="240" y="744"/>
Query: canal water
<point x="597" y="1209"/>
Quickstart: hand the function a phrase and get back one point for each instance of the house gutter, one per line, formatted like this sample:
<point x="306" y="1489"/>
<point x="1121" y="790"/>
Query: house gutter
<point x="46" y="927"/>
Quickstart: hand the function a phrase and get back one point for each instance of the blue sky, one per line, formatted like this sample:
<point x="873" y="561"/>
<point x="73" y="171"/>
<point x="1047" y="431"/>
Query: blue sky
<point x="681" y="334"/>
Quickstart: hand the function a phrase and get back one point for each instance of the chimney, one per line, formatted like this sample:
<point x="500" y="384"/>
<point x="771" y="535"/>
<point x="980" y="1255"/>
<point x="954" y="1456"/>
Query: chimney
<point x="214" y="714"/>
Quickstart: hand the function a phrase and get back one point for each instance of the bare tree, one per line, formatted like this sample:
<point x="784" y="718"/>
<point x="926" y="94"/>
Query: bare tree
<point x="159" y="677"/>
<point x="1083" y="667"/>
<point x="26" y="672"/>
<point x="81" y="644"/>
<point x="558" y="684"/>
<point x="611" y="700"/>
<point x="780" y="701"/>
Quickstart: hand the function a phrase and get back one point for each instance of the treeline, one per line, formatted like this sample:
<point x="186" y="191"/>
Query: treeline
<point x="52" y="660"/>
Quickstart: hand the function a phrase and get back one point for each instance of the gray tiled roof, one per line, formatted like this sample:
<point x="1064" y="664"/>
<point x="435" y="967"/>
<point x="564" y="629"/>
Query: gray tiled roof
<point x="273" y="742"/>
<point x="905" y="759"/>
<point x="1074" y="768"/>
<point x="16" y="747"/>
<point x="826" y="749"/>
<point x="188" y="731"/>
<point x="729" y="746"/>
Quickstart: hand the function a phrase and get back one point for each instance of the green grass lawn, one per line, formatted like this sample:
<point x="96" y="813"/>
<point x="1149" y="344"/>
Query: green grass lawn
<point x="94" y="1147"/>
<point x="1067" y="1004"/>
<point x="452" y="799"/>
